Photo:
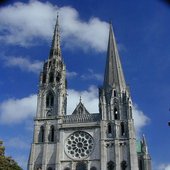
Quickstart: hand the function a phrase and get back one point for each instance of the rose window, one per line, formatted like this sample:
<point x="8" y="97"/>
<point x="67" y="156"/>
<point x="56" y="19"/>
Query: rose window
<point x="79" y="145"/>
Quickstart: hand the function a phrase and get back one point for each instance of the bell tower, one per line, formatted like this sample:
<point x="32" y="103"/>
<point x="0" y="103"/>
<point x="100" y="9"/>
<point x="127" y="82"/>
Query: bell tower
<point x="52" y="85"/>
<point x="117" y="125"/>
<point x="51" y="108"/>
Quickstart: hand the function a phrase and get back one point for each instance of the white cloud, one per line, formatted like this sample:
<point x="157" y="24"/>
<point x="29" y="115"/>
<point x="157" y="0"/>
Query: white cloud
<point x="17" y="110"/>
<point x="164" y="167"/>
<point x="71" y="74"/>
<point x="89" y="99"/>
<point x="91" y="75"/>
<point x="23" y="63"/>
<point x="22" y="23"/>
<point x="140" y="119"/>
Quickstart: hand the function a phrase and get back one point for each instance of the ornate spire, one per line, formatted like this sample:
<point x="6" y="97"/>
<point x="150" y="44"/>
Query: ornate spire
<point x="55" y="51"/>
<point x="114" y="77"/>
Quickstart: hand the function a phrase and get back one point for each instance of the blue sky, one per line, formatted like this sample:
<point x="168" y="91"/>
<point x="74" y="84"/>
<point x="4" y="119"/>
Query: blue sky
<point x="142" y="33"/>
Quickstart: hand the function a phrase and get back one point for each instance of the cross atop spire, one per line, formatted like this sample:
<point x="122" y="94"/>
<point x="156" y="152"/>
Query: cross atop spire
<point x="55" y="51"/>
<point x="114" y="77"/>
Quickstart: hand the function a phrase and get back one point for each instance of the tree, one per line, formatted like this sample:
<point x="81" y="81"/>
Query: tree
<point x="7" y="163"/>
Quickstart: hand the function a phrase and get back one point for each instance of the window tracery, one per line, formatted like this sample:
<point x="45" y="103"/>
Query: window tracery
<point x="79" y="145"/>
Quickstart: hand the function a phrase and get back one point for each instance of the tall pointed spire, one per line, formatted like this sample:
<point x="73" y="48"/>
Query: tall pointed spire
<point x="55" y="47"/>
<point x="114" y="77"/>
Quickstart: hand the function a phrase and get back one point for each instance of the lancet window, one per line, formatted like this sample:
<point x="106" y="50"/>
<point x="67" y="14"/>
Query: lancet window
<point x="50" y="100"/>
<point x="109" y="128"/>
<point x="51" y="134"/>
<point x="122" y="126"/>
<point x="41" y="134"/>
<point x="51" y="77"/>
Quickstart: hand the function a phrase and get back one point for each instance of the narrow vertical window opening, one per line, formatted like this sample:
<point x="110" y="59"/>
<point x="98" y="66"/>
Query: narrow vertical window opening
<point x="51" y="78"/>
<point x="51" y="135"/>
<point x="41" y="134"/>
<point x="116" y="114"/>
<point x="50" y="100"/>
<point x="115" y="94"/>
<point x="109" y="128"/>
<point x="44" y="78"/>
<point x="122" y="129"/>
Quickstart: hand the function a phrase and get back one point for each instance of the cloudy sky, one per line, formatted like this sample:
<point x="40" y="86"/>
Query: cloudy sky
<point x="142" y="33"/>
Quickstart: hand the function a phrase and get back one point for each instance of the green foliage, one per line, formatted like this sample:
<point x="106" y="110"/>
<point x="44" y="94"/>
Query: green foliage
<point x="7" y="163"/>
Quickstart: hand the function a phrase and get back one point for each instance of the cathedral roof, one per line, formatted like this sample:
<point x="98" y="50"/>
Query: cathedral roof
<point x="80" y="109"/>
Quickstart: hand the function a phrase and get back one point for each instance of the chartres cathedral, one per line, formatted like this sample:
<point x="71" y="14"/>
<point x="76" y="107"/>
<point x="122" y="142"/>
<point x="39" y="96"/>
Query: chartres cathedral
<point x="82" y="140"/>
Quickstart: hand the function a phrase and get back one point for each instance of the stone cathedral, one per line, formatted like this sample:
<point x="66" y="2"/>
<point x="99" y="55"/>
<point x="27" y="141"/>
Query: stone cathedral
<point x="83" y="140"/>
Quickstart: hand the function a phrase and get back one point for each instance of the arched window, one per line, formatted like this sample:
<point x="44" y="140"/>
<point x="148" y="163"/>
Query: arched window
<point x="124" y="165"/>
<point x="110" y="165"/>
<point x="41" y="135"/>
<point x="51" y="134"/>
<point x="116" y="114"/>
<point x="109" y="128"/>
<point x="51" y="77"/>
<point x="81" y="166"/>
<point x="122" y="126"/>
<point x="93" y="168"/>
<point x="50" y="100"/>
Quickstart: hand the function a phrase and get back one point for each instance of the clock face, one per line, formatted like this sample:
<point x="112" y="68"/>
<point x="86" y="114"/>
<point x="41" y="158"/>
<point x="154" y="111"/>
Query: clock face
<point x="79" y="145"/>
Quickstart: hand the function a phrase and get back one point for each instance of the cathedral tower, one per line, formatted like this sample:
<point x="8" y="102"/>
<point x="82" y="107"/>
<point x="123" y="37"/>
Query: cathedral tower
<point x="51" y="106"/>
<point x="82" y="140"/>
<point x="117" y="125"/>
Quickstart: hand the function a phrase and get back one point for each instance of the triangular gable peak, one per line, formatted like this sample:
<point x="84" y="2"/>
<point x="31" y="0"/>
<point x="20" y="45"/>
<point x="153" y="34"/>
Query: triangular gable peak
<point x="80" y="109"/>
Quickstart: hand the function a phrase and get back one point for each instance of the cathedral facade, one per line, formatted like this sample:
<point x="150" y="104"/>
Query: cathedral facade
<point x="82" y="140"/>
